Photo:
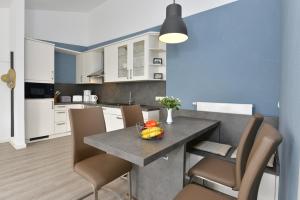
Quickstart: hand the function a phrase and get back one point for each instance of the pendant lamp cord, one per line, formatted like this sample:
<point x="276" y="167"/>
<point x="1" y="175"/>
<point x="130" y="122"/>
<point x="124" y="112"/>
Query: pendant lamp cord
<point x="174" y="1"/>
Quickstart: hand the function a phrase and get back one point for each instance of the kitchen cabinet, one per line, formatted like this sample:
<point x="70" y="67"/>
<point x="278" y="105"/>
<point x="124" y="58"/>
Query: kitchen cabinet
<point x="62" y="118"/>
<point x="39" y="118"/>
<point x="114" y="120"/>
<point x="132" y="59"/>
<point x="88" y="63"/>
<point x="39" y="61"/>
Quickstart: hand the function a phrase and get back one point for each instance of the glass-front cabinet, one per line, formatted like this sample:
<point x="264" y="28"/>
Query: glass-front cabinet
<point x="139" y="62"/>
<point x="123" y="62"/>
<point x="141" y="58"/>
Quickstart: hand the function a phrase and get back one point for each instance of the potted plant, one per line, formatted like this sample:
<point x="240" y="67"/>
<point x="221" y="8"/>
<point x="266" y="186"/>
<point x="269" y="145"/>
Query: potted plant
<point x="170" y="103"/>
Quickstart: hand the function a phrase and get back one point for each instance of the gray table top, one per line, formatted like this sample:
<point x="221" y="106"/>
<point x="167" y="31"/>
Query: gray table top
<point x="127" y="144"/>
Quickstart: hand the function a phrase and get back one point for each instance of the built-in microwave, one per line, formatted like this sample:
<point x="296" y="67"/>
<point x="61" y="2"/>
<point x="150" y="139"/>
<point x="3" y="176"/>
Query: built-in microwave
<point x="39" y="90"/>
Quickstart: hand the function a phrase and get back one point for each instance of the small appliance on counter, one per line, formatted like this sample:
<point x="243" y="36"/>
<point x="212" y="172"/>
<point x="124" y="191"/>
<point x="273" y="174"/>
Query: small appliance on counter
<point x="65" y="99"/>
<point x="94" y="99"/>
<point x="87" y="95"/>
<point x="77" y="98"/>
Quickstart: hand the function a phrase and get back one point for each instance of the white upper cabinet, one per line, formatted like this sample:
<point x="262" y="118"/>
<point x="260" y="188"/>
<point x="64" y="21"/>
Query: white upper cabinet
<point x="133" y="59"/>
<point x="86" y="64"/>
<point x="39" y="61"/>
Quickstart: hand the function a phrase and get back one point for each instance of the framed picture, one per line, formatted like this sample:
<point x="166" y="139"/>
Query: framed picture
<point x="158" y="76"/>
<point x="157" y="61"/>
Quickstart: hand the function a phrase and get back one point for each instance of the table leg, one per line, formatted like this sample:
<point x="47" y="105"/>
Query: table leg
<point x="162" y="179"/>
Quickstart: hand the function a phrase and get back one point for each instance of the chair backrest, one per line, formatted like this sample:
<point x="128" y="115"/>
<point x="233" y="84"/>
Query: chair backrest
<point x="85" y="122"/>
<point x="265" y="145"/>
<point x="245" y="146"/>
<point x="132" y="115"/>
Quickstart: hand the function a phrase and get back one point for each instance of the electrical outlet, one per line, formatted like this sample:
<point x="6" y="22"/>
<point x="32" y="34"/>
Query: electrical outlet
<point x="158" y="98"/>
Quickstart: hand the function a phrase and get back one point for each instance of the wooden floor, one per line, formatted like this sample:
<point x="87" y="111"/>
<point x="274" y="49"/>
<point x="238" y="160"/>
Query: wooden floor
<point x="43" y="171"/>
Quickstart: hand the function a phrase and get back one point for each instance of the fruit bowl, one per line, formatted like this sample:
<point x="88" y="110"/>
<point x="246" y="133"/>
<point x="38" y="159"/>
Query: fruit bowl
<point x="150" y="130"/>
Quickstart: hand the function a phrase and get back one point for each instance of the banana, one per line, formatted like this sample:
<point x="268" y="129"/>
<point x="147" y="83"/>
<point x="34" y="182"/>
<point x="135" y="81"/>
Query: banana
<point x="151" y="132"/>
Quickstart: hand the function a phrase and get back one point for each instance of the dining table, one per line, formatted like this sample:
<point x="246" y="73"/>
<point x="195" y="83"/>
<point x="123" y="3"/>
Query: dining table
<point x="158" y="165"/>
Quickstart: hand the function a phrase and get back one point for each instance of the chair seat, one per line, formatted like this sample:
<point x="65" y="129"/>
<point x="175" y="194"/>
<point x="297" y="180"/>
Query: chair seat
<point x="216" y="170"/>
<point x="196" y="192"/>
<point x="102" y="169"/>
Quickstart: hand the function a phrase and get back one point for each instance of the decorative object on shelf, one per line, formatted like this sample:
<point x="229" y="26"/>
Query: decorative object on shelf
<point x="173" y="29"/>
<point x="157" y="61"/>
<point x="159" y="76"/>
<point x="170" y="103"/>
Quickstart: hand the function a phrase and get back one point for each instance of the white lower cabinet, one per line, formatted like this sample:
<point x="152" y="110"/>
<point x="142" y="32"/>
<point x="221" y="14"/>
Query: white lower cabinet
<point x="62" y="119"/>
<point x="114" y="120"/>
<point x="39" y="118"/>
<point x="58" y="124"/>
<point x="268" y="188"/>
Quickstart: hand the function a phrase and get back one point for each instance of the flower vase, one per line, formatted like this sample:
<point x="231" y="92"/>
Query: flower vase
<point x="169" y="117"/>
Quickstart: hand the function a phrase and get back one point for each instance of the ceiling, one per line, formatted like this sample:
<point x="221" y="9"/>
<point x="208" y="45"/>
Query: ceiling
<point x="64" y="5"/>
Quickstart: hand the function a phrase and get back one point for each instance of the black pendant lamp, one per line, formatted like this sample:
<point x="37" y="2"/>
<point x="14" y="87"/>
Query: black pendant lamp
<point x="173" y="29"/>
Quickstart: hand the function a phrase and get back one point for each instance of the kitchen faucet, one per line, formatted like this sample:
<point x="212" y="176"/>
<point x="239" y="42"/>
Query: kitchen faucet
<point x="130" y="100"/>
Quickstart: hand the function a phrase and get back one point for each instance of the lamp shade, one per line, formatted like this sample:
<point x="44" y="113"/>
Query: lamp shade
<point x="173" y="29"/>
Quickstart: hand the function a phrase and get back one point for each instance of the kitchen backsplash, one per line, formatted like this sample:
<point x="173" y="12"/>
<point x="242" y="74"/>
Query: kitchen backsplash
<point x="142" y="92"/>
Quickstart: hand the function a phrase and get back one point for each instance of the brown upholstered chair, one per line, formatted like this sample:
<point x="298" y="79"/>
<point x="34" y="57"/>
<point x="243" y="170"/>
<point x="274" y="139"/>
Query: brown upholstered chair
<point x="266" y="143"/>
<point x="132" y="115"/>
<point x="231" y="174"/>
<point x="95" y="166"/>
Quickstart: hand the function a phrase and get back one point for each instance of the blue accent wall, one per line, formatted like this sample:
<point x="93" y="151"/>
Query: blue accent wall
<point x="290" y="100"/>
<point x="65" y="68"/>
<point x="232" y="55"/>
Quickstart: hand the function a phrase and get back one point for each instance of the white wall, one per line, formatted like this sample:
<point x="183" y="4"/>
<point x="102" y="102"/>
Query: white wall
<point x="65" y="27"/>
<point x="112" y="19"/>
<point x="4" y="66"/>
<point x="17" y="32"/>
<point x="115" y="18"/>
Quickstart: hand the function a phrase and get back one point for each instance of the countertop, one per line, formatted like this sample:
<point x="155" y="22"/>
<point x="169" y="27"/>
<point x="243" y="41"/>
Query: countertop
<point x="127" y="144"/>
<point x="113" y="105"/>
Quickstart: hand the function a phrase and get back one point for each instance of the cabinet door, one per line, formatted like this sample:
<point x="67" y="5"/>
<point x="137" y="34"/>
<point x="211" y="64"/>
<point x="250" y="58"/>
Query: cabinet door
<point x="80" y="69"/>
<point x="39" y="117"/>
<point x="123" y="62"/>
<point x="138" y="70"/>
<point x="113" y="122"/>
<point x="39" y="61"/>
<point x="93" y="62"/>
<point x="111" y="63"/>
<point x="86" y="64"/>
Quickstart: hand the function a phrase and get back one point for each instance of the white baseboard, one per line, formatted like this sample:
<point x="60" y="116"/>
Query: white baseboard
<point x="17" y="146"/>
<point x="59" y="135"/>
<point x="4" y="140"/>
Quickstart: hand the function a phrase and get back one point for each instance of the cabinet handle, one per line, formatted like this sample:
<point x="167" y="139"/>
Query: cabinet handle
<point x="61" y="106"/>
<point x="52" y="104"/>
<point x="119" y="117"/>
<point x="61" y="112"/>
<point x="52" y="75"/>
<point x="60" y="124"/>
<point x="130" y="73"/>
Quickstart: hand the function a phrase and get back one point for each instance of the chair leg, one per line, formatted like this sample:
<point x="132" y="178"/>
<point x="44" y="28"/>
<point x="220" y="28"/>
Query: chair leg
<point x="96" y="194"/>
<point x="129" y="185"/>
